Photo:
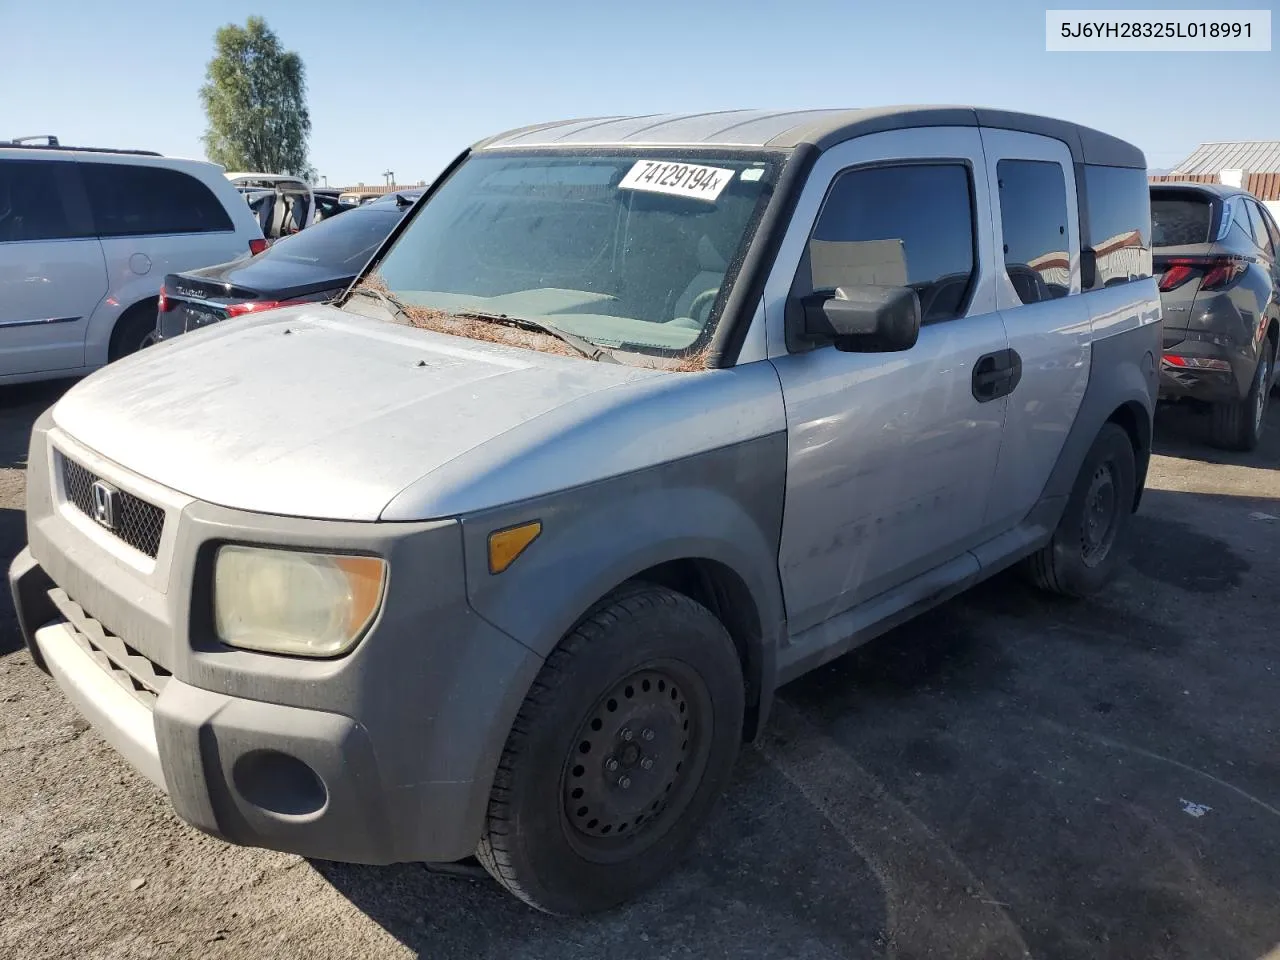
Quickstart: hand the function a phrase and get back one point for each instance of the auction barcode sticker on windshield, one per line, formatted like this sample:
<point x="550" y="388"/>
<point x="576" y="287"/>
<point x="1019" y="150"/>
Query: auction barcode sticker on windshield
<point x="678" y="179"/>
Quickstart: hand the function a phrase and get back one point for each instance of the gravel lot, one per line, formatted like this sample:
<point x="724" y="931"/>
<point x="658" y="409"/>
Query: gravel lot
<point x="1008" y="776"/>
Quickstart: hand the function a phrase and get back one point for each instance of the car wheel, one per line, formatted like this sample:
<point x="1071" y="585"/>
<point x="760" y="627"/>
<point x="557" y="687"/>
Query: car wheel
<point x="1081" y="556"/>
<point x="134" y="330"/>
<point x="624" y="742"/>
<point x="1238" y="425"/>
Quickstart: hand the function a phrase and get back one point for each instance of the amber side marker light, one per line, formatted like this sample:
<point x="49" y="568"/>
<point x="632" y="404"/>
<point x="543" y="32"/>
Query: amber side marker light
<point x="506" y="545"/>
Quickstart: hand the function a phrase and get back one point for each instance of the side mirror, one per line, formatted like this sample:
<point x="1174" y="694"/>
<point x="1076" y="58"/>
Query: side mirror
<point x="870" y="319"/>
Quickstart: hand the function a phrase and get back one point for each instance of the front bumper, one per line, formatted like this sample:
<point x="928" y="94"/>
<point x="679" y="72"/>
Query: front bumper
<point x="386" y="755"/>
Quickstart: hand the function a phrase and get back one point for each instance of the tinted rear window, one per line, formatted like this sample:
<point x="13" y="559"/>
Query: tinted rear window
<point x="35" y="202"/>
<point x="1179" y="217"/>
<point x="1117" y="223"/>
<point x="134" y="200"/>
<point x="343" y="242"/>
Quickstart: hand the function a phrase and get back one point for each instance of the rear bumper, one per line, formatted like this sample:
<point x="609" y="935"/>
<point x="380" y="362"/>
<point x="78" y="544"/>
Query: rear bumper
<point x="1178" y="380"/>
<point x="1214" y="330"/>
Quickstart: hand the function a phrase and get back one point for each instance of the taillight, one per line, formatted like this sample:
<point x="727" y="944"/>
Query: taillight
<point x="162" y="304"/>
<point x="257" y="246"/>
<point x="1174" y="277"/>
<point x="1222" y="271"/>
<point x="251" y="306"/>
<point x="1216" y="272"/>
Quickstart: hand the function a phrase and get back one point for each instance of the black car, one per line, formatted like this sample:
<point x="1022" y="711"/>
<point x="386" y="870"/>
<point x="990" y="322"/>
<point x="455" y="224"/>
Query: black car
<point x="1215" y="252"/>
<point x="316" y="264"/>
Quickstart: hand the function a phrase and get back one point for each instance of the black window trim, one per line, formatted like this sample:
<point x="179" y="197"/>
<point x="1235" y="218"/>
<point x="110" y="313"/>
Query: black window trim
<point x="795" y="341"/>
<point x="1066" y="207"/>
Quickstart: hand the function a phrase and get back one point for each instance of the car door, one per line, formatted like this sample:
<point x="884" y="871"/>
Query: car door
<point x="890" y="455"/>
<point x="1037" y="236"/>
<point x="52" y="273"/>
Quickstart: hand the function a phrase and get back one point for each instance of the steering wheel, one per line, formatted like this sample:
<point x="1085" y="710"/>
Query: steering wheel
<point x="703" y="300"/>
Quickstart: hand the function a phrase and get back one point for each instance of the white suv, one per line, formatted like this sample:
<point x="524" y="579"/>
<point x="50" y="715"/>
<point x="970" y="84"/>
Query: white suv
<point x="86" y="238"/>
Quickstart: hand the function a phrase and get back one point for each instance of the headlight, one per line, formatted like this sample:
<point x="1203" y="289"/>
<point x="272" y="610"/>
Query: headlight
<point x="287" y="601"/>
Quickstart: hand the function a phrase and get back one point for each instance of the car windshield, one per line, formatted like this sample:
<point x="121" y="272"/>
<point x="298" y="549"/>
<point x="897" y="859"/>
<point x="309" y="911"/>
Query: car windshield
<point x="625" y="250"/>
<point x="345" y="241"/>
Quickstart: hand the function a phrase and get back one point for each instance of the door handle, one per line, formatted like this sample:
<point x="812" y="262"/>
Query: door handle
<point x="996" y="375"/>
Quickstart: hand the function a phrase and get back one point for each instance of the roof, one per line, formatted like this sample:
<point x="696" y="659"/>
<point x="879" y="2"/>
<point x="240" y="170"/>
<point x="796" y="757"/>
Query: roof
<point x="1253" y="156"/>
<point x="822" y="128"/>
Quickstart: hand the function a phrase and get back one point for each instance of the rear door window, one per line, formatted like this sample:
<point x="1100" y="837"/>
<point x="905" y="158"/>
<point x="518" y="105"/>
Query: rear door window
<point x="137" y="200"/>
<point x="1180" y="217"/>
<point x="38" y="201"/>
<point x="908" y="225"/>
<point x="1116" y="224"/>
<point x="1033" y="214"/>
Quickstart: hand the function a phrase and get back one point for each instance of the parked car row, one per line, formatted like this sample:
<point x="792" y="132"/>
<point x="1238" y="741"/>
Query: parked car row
<point x="86" y="236"/>
<point x="505" y="551"/>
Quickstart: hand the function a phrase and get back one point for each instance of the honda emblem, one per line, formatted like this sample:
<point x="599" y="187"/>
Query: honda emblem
<point x="104" y="504"/>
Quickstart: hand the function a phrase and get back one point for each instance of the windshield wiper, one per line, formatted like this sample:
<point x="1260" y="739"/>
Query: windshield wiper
<point x="592" y="351"/>
<point x="400" y="312"/>
<point x="396" y="307"/>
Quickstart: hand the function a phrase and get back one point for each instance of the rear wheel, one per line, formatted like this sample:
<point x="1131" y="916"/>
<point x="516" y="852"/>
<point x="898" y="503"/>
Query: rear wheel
<point x="1238" y="425"/>
<point x="624" y="742"/>
<point x="135" y="329"/>
<point x="1081" y="556"/>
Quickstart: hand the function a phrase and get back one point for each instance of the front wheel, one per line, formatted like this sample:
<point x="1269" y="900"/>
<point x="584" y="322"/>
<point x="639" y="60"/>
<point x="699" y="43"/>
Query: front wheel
<point x="620" y="749"/>
<point x="1081" y="556"/>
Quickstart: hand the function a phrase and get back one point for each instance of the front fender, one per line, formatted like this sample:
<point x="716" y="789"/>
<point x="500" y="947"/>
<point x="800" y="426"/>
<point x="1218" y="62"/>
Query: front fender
<point x="724" y="505"/>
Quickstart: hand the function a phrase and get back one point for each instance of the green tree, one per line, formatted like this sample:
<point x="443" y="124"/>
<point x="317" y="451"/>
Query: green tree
<point x="255" y="98"/>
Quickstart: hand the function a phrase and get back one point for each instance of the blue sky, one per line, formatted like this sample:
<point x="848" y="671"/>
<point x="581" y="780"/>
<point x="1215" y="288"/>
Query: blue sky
<point x="405" y="85"/>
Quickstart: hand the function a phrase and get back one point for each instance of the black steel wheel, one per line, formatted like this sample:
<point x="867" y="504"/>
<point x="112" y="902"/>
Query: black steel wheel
<point x="629" y="774"/>
<point x="1081" y="555"/>
<point x="621" y="747"/>
<point x="1101" y="515"/>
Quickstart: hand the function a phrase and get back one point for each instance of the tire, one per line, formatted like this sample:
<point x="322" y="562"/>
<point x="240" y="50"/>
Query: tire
<point x="1081" y="556"/>
<point x="135" y="330"/>
<point x="621" y="747"/>
<point x="1238" y="425"/>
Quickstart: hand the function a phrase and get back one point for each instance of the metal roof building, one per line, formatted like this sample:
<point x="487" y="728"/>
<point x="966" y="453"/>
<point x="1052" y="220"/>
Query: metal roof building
<point x="1252" y="156"/>
<point x="1255" y="162"/>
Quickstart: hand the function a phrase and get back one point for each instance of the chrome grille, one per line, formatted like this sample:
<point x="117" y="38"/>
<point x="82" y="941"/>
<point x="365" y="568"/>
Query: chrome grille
<point x="139" y="675"/>
<point x="138" y="523"/>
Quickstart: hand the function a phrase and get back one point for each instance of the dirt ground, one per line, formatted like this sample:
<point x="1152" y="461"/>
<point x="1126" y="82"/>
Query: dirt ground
<point x="1008" y="776"/>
